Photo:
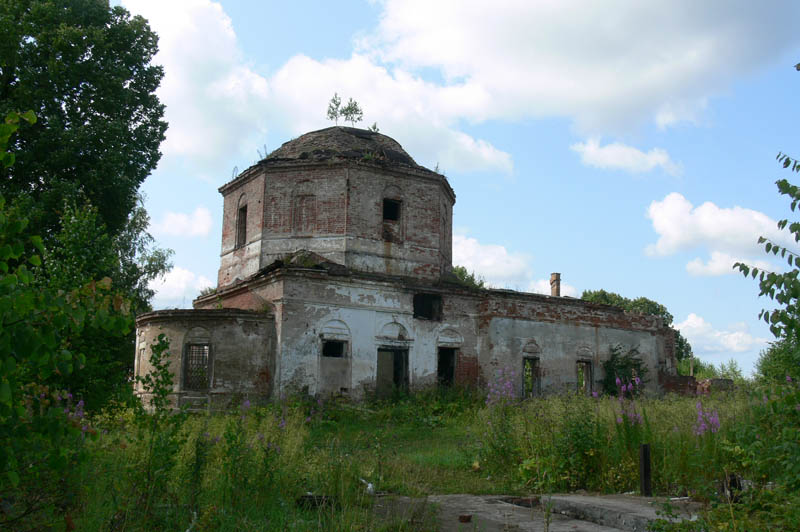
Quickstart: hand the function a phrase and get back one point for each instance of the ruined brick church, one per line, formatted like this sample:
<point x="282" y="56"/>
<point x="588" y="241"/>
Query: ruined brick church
<point x="336" y="278"/>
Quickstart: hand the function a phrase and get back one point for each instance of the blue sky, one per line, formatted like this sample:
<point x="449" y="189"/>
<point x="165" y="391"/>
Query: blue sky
<point x="628" y="145"/>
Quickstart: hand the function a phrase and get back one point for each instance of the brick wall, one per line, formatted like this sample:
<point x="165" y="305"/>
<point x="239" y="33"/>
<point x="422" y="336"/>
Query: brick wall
<point x="468" y="370"/>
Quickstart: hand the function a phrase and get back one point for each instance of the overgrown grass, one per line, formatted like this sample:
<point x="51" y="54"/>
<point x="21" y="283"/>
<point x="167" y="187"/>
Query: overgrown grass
<point x="309" y="465"/>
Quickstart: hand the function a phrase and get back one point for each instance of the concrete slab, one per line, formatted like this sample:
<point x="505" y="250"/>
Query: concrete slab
<point x="569" y="513"/>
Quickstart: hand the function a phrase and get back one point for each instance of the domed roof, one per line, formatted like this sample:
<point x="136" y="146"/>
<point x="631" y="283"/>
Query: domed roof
<point x="341" y="142"/>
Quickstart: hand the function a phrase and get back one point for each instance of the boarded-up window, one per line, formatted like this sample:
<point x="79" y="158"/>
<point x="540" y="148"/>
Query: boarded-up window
<point x="241" y="226"/>
<point x="305" y="214"/>
<point x="195" y="368"/>
<point x="428" y="307"/>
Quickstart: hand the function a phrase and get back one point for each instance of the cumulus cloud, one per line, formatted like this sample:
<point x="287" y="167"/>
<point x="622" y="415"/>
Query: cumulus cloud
<point x="198" y="223"/>
<point x="622" y="157"/>
<point x="542" y="286"/>
<point x="501" y="268"/>
<point x="704" y="338"/>
<point x="178" y="288"/>
<point x="214" y="99"/>
<point x="730" y="234"/>
<point x="217" y="103"/>
<point x="720" y="264"/>
<point x="605" y="65"/>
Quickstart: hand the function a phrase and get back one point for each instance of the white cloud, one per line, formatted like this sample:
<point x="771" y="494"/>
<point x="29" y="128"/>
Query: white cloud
<point x="606" y="65"/>
<point x="217" y="104"/>
<point x="198" y="223"/>
<point x="704" y="338"/>
<point x="542" y="286"/>
<point x="623" y="157"/>
<point x="720" y="264"/>
<point x="178" y="288"/>
<point x="501" y="268"/>
<point x="214" y="99"/>
<point x="730" y="234"/>
<point x="420" y="115"/>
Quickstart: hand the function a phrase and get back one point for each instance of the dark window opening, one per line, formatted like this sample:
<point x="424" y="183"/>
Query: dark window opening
<point x="195" y="372"/>
<point x="391" y="210"/>
<point x="333" y="348"/>
<point x="531" y="377"/>
<point x="446" y="367"/>
<point x="583" y="369"/>
<point x="428" y="307"/>
<point x="241" y="226"/>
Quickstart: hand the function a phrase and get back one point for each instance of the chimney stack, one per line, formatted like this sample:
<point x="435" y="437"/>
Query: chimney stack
<point x="555" y="284"/>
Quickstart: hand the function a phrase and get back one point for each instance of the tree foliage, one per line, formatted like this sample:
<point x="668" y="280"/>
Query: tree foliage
<point x="624" y="365"/>
<point x="779" y="360"/>
<point x="352" y="112"/>
<point x="784" y="287"/>
<point x="40" y="427"/>
<point x="334" y="106"/>
<point x="84" y="69"/>
<point x="468" y="278"/>
<point x="83" y="250"/>
<point x="642" y="305"/>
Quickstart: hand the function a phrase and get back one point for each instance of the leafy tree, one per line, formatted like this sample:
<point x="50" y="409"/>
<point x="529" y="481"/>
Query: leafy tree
<point x="642" y="305"/>
<point x="779" y="360"/>
<point x="352" y="112"/>
<point x="41" y="428"/>
<point x="782" y="357"/>
<point x="333" y="108"/>
<point x="84" y="69"/>
<point x="783" y="288"/>
<point x="83" y="249"/>
<point x="468" y="278"/>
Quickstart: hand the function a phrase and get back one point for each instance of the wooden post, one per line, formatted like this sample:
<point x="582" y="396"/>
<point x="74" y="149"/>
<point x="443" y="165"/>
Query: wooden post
<point x="645" y="475"/>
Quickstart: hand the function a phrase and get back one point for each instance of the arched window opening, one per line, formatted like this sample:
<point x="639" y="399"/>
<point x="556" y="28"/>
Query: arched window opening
<point x="241" y="226"/>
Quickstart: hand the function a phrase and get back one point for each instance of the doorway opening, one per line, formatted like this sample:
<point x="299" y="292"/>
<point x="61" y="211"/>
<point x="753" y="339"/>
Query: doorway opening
<point x="446" y="366"/>
<point x="392" y="374"/>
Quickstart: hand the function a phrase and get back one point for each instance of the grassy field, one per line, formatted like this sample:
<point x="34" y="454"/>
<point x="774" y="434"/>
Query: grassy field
<point x="313" y="465"/>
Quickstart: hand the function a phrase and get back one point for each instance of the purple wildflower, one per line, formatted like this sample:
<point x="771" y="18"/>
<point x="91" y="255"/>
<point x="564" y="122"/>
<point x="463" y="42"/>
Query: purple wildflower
<point x="246" y="405"/>
<point x="619" y="420"/>
<point x="619" y="382"/>
<point x="788" y="378"/>
<point x="706" y="421"/>
<point x="637" y="381"/>
<point x="594" y="394"/>
<point x="282" y="424"/>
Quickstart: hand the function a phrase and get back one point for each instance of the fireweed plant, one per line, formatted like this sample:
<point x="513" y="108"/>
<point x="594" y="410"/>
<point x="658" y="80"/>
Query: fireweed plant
<point x="497" y="448"/>
<point x="573" y="442"/>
